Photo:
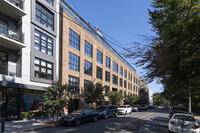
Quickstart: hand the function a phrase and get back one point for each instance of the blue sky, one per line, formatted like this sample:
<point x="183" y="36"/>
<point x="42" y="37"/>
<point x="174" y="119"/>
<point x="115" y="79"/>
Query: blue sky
<point x="123" y="20"/>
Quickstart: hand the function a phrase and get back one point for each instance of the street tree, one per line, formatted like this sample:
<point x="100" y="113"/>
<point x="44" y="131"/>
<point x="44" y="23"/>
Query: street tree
<point x="130" y="99"/>
<point x="93" y="93"/>
<point x="55" y="97"/>
<point x="115" y="97"/>
<point x="172" y="56"/>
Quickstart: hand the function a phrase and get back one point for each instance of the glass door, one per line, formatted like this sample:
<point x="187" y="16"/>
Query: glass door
<point x="12" y="103"/>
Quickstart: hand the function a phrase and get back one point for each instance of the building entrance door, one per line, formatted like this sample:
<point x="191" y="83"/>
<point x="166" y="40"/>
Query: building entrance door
<point x="12" y="109"/>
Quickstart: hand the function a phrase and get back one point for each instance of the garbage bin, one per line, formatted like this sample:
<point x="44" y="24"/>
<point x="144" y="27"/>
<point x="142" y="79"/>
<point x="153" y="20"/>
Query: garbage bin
<point x="2" y="124"/>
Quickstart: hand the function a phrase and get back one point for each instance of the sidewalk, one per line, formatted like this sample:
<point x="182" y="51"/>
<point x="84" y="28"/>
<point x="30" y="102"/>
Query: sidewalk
<point x="27" y="125"/>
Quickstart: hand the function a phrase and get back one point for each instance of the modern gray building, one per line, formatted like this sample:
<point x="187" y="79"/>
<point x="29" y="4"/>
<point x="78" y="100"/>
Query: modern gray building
<point x="29" y="32"/>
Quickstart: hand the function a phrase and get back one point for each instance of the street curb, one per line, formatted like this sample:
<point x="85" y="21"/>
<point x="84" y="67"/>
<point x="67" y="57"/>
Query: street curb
<point x="32" y="129"/>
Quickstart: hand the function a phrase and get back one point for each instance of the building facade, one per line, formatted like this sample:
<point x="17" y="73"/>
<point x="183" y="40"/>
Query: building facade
<point x="29" y="33"/>
<point x="86" y="56"/>
<point x="144" y="90"/>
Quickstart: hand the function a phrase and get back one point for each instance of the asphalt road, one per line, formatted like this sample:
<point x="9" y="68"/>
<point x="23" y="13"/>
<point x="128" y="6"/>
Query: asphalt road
<point x="150" y="121"/>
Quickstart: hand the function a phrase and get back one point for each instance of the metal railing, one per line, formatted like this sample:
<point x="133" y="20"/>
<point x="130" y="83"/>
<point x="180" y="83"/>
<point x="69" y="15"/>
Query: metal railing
<point x="18" y="3"/>
<point x="12" y="34"/>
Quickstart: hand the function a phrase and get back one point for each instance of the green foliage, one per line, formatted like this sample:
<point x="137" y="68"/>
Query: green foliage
<point x="159" y="99"/>
<point x="93" y="93"/>
<point x="115" y="97"/>
<point x="32" y="114"/>
<point x="55" y="97"/>
<point x="130" y="99"/>
<point x="172" y="56"/>
<point x="142" y="100"/>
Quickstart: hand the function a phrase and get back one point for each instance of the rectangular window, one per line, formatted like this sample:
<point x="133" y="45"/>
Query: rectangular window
<point x="125" y="74"/>
<point x="115" y="67"/>
<point x="86" y="83"/>
<point x="74" y="39"/>
<point x="44" y="16"/>
<point x="3" y="63"/>
<point x="99" y="56"/>
<point x="124" y="83"/>
<point x="134" y="79"/>
<point x="121" y="71"/>
<point x="99" y="72"/>
<point x="88" y="49"/>
<point x="87" y="67"/>
<point x="128" y="85"/>
<point x="131" y="77"/>
<point x="50" y="2"/>
<point x="120" y="82"/>
<point x="134" y="88"/>
<point x="115" y="79"/>
<point x="107" y="89"/>
<point x="107" y="62"/>
<point x="3" y="27"/>
<point x="73" y="84"/>
<point x="107" y="78"/>
<point x="43" y="43"/>
<point x="74" y="61"/>
<point x="128" y="76"/>
<point x="43" y="69"/>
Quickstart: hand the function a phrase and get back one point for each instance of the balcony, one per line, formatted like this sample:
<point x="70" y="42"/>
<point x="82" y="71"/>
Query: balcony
<point x="12" y="8"/>
<point x="11" y="39"/>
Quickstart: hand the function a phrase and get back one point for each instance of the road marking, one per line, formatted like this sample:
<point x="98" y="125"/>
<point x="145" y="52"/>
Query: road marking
<point x="127" y="123"/>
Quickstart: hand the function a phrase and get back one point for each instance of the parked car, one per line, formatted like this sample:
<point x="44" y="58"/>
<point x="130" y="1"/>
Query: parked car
<point x="165" y="106"/>
<point x="124" y="109"/>
<point x="183" y="123"/>
<point x="144" y="107"/>
<point x="136" y="108"/>
<point x="178" y="110"/>
<point x="106" y="111"/>
<point x="79" y="116"/>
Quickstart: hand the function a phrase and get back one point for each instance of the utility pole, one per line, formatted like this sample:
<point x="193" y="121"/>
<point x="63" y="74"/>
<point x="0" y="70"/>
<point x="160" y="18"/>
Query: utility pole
<point x="190" y="101"/>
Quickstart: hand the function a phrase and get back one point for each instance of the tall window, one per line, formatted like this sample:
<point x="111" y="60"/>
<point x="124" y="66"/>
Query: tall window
<point x="43" y="69"/>
<point x="44" y="16"/>
<point x="120" y="82"/>
<point x="88" y="49"/>
<point x="121" y="70"/>
<point x="125" y="74"/>
<point x="124" y="83"/>
<point x="43" y="43"/>
<point x="128" y="76"/>
<point x="107" y="62"/>
<point x="107" y="78"/>
<point x="99" y="56"/>
<point x="74" y="62"/>
<point x="107" y="89"/>
<point x="3" y="27"/>
<point x="128" y="85"/>
<point x="74" y="39"/>
<point x="99" y="72"/>
<point x="134" y="79"/>
<point x="3" y="63"/>
<point x="115" y="79"/>
<point x="115" y="67"/>
<point x="87" y="67"/>
<point x="134" y="88"/>
<point x="50" y="2"/>
<point x="73" y="84"/>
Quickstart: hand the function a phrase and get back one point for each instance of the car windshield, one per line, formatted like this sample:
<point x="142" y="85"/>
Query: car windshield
<point x="101" y="107"/>
<point x="77" y="112"/>
<point x="122" y="106"/>
<point x="184" y="118"/>
<point x="180" y="109"/>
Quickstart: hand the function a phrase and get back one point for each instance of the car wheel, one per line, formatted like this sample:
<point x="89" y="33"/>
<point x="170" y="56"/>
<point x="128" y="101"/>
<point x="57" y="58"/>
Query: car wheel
<point x="106" y="116"/>
<point x="125" y="112"/>
<point x="77" y="122"/>
<point x="95" y="119"/>
<point x="169" y="131"/>
<point x="130" y="112"/>
<point x="115" y="115"/>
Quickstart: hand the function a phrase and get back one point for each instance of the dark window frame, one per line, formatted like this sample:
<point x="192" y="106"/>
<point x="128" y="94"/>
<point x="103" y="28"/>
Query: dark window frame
<point x="99" y="56"/>
<point x="88" y="49"/>
<point x="44" y="13"/>
<point x="41" y="41"/>
<point x="87" y="66"/>
<point x="115" y="79"/>
<point x="74" y="39"/>
<point x="107" y="76"/>
<point x="115" y="67"/>
<point x="73" y="84"/>
<point x="107" y="62"/>
<point x="74" y="62"/>
<point x="4" y="63"/>
<point x="99" y="73"/>
<point x="39" y="73"/>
